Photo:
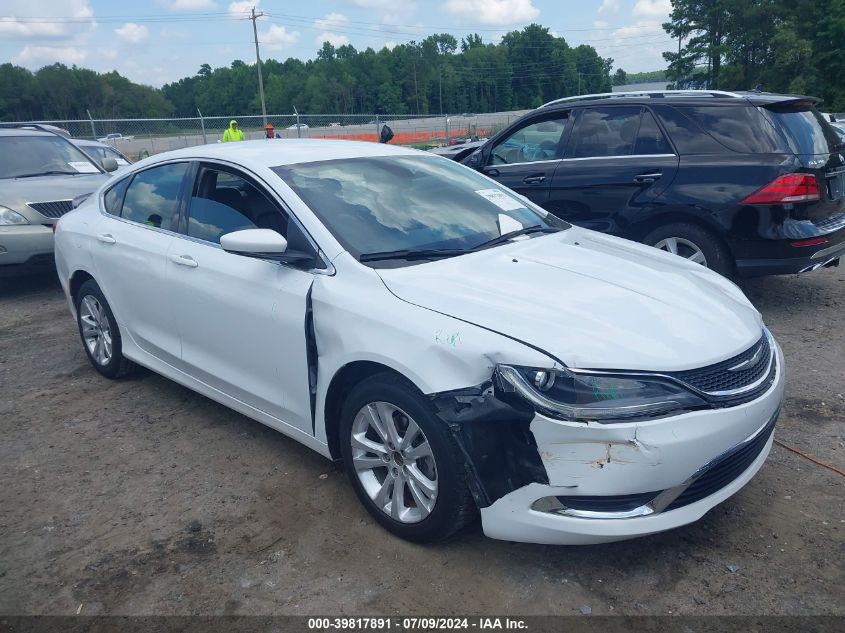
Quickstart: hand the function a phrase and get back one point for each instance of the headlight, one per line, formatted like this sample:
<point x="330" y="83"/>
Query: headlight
<point x="584" y="398"/>
<point x="9" y="217"/>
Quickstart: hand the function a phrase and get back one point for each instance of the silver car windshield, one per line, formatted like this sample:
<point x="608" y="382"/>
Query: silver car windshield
<point x="382" y="204"/>
<point x="22" y="156"/>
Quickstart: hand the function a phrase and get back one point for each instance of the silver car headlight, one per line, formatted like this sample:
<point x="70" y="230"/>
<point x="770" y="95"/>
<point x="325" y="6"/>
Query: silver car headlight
<point x="11" y="218"/>
<point x="600" y="398"/>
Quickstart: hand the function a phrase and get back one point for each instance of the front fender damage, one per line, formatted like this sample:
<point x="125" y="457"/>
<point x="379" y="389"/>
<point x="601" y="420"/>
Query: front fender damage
<point x="495" y="438"/>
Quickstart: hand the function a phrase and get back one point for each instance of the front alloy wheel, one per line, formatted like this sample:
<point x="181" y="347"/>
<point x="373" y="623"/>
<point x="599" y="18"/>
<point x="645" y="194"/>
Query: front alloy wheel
<point x="403" y="460"/>
<point x="394" y="462"/>
<point x="683" y="248"/>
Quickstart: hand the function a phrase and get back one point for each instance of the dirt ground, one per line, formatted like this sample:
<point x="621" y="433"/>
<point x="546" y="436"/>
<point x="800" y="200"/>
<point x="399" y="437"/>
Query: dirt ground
<point x="142" y="497"/>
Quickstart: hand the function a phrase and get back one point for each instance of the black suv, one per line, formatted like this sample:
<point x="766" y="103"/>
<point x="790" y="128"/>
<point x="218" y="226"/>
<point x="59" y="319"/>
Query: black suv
<point x="745" y="183"/>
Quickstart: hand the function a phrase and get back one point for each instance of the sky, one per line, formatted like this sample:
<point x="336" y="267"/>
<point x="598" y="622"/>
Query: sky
<point x="159" y="41"/>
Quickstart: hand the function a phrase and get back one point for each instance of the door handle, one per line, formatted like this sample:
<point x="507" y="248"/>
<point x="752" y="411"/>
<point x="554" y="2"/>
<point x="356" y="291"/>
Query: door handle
<point x="106" y="238"/>
<point x="184" y="260"/>
<point x="647" y="178"/>
<point x="533" y="180"/>
<point x="492" y="172"/>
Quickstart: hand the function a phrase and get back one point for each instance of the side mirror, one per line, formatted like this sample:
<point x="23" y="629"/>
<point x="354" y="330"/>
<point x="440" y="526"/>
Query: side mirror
<point x="109" y="164"/>
<point x="262" y="244"/>
<point x="385" y="135"/>
<point x="474" y="160"/>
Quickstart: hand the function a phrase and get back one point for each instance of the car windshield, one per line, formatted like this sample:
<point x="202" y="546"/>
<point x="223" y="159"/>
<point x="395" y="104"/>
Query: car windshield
<point x="414" y="203"/>
<point x="31" y="155"/>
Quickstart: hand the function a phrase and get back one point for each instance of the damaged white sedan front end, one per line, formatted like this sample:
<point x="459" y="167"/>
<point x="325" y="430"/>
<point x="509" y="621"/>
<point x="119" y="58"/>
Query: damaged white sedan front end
<point x="460" y="349"/>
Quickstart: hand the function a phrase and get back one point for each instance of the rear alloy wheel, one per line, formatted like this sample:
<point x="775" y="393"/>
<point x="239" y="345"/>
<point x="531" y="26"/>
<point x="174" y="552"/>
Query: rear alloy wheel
<point x="99" y="332"/>
<point x="403" y="462"/>
<point x="693" y="243"/>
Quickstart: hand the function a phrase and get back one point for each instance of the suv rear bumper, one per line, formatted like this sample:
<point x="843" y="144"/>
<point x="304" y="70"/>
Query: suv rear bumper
<point x="780" y="257"/>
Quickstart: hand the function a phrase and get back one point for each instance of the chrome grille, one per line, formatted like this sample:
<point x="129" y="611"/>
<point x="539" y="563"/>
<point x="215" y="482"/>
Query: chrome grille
<point x="737" y="373"/>
<point x="53" y="209"/>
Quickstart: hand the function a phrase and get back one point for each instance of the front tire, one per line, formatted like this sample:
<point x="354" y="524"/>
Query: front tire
<point x="403" y="462"/>
<point x="99" y="332"/>
<point x="694" y="243"/>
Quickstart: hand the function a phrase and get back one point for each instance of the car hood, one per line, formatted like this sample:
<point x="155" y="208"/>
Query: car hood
<point x="589" y="300"/>
<point x="16" y="193"/>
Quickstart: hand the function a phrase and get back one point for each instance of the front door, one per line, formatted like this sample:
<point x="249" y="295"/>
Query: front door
<point x="241" y="319"/>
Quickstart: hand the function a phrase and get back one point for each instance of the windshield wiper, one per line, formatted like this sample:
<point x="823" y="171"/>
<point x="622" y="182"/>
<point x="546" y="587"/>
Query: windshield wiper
<point x="505" y="237"/>
<point x="48" y="173"/>
<point x="409" y="253"/>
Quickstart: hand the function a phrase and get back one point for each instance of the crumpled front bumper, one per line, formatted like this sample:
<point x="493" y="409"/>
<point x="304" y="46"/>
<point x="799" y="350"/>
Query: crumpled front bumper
<point x="597" y="460"/>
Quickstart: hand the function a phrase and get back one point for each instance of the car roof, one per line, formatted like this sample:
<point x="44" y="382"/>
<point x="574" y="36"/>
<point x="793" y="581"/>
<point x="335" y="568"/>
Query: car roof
<point x="276" y="152"/>
<point x="23" y="131"/>
<point x="688" y="97"/>
<point x="89" y="143"/>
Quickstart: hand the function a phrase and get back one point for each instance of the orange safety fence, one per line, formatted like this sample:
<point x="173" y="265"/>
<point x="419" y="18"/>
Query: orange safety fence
<point x="401" y="138"/>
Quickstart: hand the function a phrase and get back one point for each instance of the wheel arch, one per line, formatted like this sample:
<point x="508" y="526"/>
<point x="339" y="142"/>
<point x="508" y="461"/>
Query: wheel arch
<point x="343" y="381"/>
<point x="75" y="282"/>
<point x="639" y="230"/>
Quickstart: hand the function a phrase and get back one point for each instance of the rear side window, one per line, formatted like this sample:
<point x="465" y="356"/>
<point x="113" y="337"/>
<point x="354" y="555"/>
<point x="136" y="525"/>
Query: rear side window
<point x="738" y="128"/>
<point x="604" y="131"/>
<point x="805" y="129"/>
<point x="153" y="195"/>
<point x="113" y="200"/>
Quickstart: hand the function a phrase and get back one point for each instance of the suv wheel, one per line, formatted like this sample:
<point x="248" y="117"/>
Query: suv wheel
<point x="99" y="332"/>
<point x="693" y="243"/>
<point x="402" y="461"/>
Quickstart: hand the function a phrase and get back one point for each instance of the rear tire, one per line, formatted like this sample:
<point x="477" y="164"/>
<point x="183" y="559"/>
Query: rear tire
<point x="414" y="487"/>
<point x="694" y="243"/>
<point x="100" y="334"/>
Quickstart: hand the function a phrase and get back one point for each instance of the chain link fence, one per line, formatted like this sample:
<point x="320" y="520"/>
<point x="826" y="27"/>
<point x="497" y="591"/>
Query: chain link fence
<point x="138" y="138"/>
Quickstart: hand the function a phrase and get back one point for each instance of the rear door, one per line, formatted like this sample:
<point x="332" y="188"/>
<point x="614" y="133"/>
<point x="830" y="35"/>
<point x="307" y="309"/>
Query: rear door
<point x="525" y="160"/>
<point x="616" y="162"/>
<point x="130" y="255"/>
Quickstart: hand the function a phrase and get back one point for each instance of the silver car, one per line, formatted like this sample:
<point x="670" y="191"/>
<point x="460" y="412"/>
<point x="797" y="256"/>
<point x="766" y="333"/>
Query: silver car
<point x="100" y="151"/>
<point x="40" y="174"/>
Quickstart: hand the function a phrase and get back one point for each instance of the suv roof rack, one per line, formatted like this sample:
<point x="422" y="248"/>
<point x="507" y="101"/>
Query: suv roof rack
<point x="43" y="127"/>
<point x="652" y="94"/>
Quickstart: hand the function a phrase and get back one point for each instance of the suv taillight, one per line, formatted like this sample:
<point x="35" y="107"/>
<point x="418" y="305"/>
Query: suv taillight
<point x="786" y="188"/>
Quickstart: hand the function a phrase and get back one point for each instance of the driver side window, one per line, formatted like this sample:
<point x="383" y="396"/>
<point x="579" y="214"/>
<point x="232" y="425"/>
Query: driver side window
<point x="538" y="141"/>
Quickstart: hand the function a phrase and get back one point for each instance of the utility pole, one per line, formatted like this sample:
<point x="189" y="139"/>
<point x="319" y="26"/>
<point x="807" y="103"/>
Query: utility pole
<point x="254" y="17"/>
<point x="440" y="76"/>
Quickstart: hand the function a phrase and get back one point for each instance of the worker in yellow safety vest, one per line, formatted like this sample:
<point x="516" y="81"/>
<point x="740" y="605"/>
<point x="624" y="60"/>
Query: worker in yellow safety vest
<point x="232" y="133"/>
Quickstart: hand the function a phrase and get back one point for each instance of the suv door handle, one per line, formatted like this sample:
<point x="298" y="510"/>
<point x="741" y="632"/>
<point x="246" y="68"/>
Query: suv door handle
<point x="184" y="260"/>
<point x="106" y="238"/>
<point x="647" y="178"/>
<point x="534" y="180"/>
<point x="492" y="172"/>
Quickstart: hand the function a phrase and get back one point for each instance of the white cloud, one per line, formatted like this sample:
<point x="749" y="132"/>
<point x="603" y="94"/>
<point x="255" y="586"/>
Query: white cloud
<point x="659" y="9"/>
<point x="375" y="4"/>
<point x="330" y="24"/>
<point x="390" y="45"/>
<point x="242" y="8"/>
<point x="497" y="12"/>
<point x="189" y="5"/>
<point x="600" y="24"/>
<point x="277" y="37"/>
<point x="19" y="18"/>
<point x="133" y="33"/>
<point x="609" y="6"/>
<point x="32" y="55"/>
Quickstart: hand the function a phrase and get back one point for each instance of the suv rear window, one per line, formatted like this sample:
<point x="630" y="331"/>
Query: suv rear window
<point x="805" y="129"/>
<point x="739" y="128"/>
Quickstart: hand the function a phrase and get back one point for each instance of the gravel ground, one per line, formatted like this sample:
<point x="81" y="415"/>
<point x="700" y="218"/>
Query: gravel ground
<point x="142" y="497"/>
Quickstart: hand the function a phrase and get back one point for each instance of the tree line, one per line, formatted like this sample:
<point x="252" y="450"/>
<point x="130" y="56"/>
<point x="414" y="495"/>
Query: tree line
<point x="438" y="74"/>
<point x="791" y="46"/>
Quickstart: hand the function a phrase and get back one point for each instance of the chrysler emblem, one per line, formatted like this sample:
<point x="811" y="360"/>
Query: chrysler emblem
<point x="748" y="363"/>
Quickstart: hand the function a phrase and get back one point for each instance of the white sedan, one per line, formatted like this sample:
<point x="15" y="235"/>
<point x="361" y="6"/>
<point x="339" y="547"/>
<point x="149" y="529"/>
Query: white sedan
<point x="461" y="350"/>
